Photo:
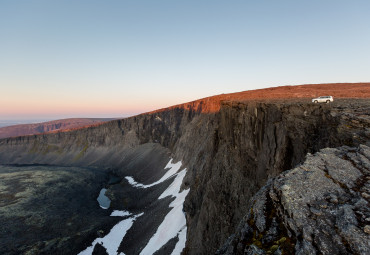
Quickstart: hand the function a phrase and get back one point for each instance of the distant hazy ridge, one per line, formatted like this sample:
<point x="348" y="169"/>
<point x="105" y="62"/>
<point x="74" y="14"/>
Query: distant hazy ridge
<point x="55" y="125"/>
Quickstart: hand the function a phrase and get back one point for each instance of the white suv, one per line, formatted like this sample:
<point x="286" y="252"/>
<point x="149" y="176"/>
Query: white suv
<point x="324" y="99"/>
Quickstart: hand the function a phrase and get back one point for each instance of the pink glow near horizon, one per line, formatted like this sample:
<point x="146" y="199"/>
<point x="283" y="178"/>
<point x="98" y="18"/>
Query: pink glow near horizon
<point x="96" y="59"/>
<point x="41" y="110"/>
<point x="50" y="108"/>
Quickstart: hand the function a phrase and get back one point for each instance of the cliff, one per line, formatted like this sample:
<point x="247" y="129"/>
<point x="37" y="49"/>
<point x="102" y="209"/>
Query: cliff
<point x="251" y="143"/>
<point x="230" y="144"/>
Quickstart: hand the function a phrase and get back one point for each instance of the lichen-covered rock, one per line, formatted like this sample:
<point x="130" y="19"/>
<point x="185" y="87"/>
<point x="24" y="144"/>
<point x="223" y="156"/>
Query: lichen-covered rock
<point x="315" y="208"/>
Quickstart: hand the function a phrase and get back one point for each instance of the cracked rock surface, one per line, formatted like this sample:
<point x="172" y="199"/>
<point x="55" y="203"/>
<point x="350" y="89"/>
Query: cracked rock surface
<point x="319" y="207"/>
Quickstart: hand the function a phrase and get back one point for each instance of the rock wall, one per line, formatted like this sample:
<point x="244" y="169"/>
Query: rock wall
<point x="250" y="143"/>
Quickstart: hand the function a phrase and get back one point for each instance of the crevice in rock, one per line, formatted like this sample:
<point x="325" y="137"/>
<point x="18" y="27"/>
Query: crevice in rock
<point x="327" y="175"/>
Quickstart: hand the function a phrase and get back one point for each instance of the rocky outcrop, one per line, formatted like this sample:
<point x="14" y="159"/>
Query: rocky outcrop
<point x="319" y="207"/>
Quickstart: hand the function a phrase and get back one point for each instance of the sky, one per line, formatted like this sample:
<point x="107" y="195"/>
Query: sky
<point x="90" y="58"/>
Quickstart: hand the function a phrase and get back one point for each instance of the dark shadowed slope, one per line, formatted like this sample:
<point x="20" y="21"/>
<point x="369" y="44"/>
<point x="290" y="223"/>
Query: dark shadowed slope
<point x="44" y="127"/>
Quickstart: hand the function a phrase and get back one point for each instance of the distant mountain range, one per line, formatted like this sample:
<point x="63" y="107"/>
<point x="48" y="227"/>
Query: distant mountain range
<point x="50" y="126"/>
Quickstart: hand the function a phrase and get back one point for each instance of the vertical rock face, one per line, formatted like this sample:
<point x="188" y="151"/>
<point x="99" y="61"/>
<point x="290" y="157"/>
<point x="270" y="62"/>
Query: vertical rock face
<point x="321" y="206"/>
<point x="251" y="142"/>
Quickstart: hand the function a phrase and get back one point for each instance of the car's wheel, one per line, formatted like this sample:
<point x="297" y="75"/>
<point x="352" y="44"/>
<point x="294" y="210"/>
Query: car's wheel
<point x="315" y="101"/>
<point x="327" y="101"/>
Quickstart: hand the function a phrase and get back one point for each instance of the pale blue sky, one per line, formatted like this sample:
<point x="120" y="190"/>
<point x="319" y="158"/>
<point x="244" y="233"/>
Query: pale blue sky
<point x="112" y="58"/>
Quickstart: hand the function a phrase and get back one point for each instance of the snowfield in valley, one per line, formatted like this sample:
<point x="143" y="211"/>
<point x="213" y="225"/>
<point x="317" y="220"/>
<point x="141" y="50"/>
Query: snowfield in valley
<point x="173" y="225"/>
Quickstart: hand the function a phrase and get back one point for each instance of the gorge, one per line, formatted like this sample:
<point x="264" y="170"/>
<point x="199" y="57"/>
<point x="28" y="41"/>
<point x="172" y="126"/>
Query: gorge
<point x="230" y="146"/>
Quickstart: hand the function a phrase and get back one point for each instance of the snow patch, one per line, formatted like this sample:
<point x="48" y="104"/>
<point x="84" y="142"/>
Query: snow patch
<point x="120" y="213"/>
<point x="174" y="224"/>
<point x="181" y="243"/>
<point x="173" y="168"/>
<point x="113" y="239"/>
<point x="174" y="188"/>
